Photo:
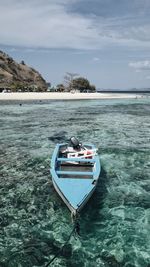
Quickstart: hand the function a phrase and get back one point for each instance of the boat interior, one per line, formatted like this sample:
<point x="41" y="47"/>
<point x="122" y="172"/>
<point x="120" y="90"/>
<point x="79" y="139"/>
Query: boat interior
<point x="72" y="168"/>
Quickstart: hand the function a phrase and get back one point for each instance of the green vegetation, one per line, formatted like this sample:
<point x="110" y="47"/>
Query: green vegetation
<point x="83" y="85"/>
<point x="23" y="87"/>
<point x="60" y="88"/>
<point x="22" y="62"/>
<point x="2" y="76"/>
<point x="79" y="84"/>
<point x="19" y="77"/>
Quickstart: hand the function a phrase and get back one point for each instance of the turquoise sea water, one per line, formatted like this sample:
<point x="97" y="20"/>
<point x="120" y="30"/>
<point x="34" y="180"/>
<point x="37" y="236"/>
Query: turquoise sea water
<point x="34" y="222"/>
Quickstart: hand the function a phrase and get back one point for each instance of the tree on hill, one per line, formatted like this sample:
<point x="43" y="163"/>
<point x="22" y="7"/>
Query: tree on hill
<point x="22" y="62"/>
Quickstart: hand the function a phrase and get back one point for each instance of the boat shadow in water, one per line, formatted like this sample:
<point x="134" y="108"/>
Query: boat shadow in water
<point x="58" y="137"/>
<point x="91" y="211"/>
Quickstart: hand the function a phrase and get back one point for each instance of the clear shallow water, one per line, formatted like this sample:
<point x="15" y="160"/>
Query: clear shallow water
<point x="34" y="222"/>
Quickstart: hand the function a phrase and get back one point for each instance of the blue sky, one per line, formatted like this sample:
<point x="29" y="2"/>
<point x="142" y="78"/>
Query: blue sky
<point x="106" y="41"/>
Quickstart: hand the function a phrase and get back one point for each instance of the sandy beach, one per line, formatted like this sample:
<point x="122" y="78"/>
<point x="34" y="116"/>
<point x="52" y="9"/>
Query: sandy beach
<point x="66" y="96"/>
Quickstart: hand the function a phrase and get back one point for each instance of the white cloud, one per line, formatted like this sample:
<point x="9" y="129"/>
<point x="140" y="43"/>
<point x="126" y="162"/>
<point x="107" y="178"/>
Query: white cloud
<point x="50" y="24"/>
<point x="96" y="59"/>
<point x="140" y="65"/>
<point x="45" y="25"/>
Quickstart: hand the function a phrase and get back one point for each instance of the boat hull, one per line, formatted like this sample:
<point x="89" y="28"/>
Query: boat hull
<point x="70" y="207"/>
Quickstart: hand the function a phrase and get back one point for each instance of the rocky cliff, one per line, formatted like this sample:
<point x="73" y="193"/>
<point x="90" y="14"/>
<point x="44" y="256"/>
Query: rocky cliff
<point x="19" y="77"/>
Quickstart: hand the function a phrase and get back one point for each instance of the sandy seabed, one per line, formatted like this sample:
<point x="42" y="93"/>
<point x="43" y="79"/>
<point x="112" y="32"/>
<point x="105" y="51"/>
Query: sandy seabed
<point x="66" y="96"/>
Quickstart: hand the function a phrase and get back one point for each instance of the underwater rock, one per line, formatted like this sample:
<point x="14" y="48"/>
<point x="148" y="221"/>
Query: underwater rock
<point x="3" y="264"/>
<point x="110" y="259"/>
<point x="67" y="251"/>
<point x="131" y="265"/>
<point x="4" y="221"/>
<point x="58" y="137"/>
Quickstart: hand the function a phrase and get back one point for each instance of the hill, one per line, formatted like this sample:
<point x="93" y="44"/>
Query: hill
<point x="18" y="76"/>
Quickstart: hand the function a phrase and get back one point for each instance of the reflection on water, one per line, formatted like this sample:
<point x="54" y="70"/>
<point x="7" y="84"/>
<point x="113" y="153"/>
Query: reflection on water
<point x="34" y="222"/>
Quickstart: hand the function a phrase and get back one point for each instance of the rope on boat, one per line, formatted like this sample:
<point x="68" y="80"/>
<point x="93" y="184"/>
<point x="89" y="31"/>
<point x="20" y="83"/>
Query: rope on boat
<point x="75" y="230"/>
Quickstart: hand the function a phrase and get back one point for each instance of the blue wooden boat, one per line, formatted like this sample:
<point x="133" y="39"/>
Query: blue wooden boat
<point x="75" y="169"/>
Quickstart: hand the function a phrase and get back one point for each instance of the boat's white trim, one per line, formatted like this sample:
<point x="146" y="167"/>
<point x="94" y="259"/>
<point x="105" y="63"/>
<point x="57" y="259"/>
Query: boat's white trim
<point x="86" y="154"/>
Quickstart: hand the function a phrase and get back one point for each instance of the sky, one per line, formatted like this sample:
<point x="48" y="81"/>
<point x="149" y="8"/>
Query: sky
<point x="105" y="41"/>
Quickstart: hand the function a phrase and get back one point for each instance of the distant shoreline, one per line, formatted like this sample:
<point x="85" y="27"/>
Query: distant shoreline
<point x="67" y="96"/>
